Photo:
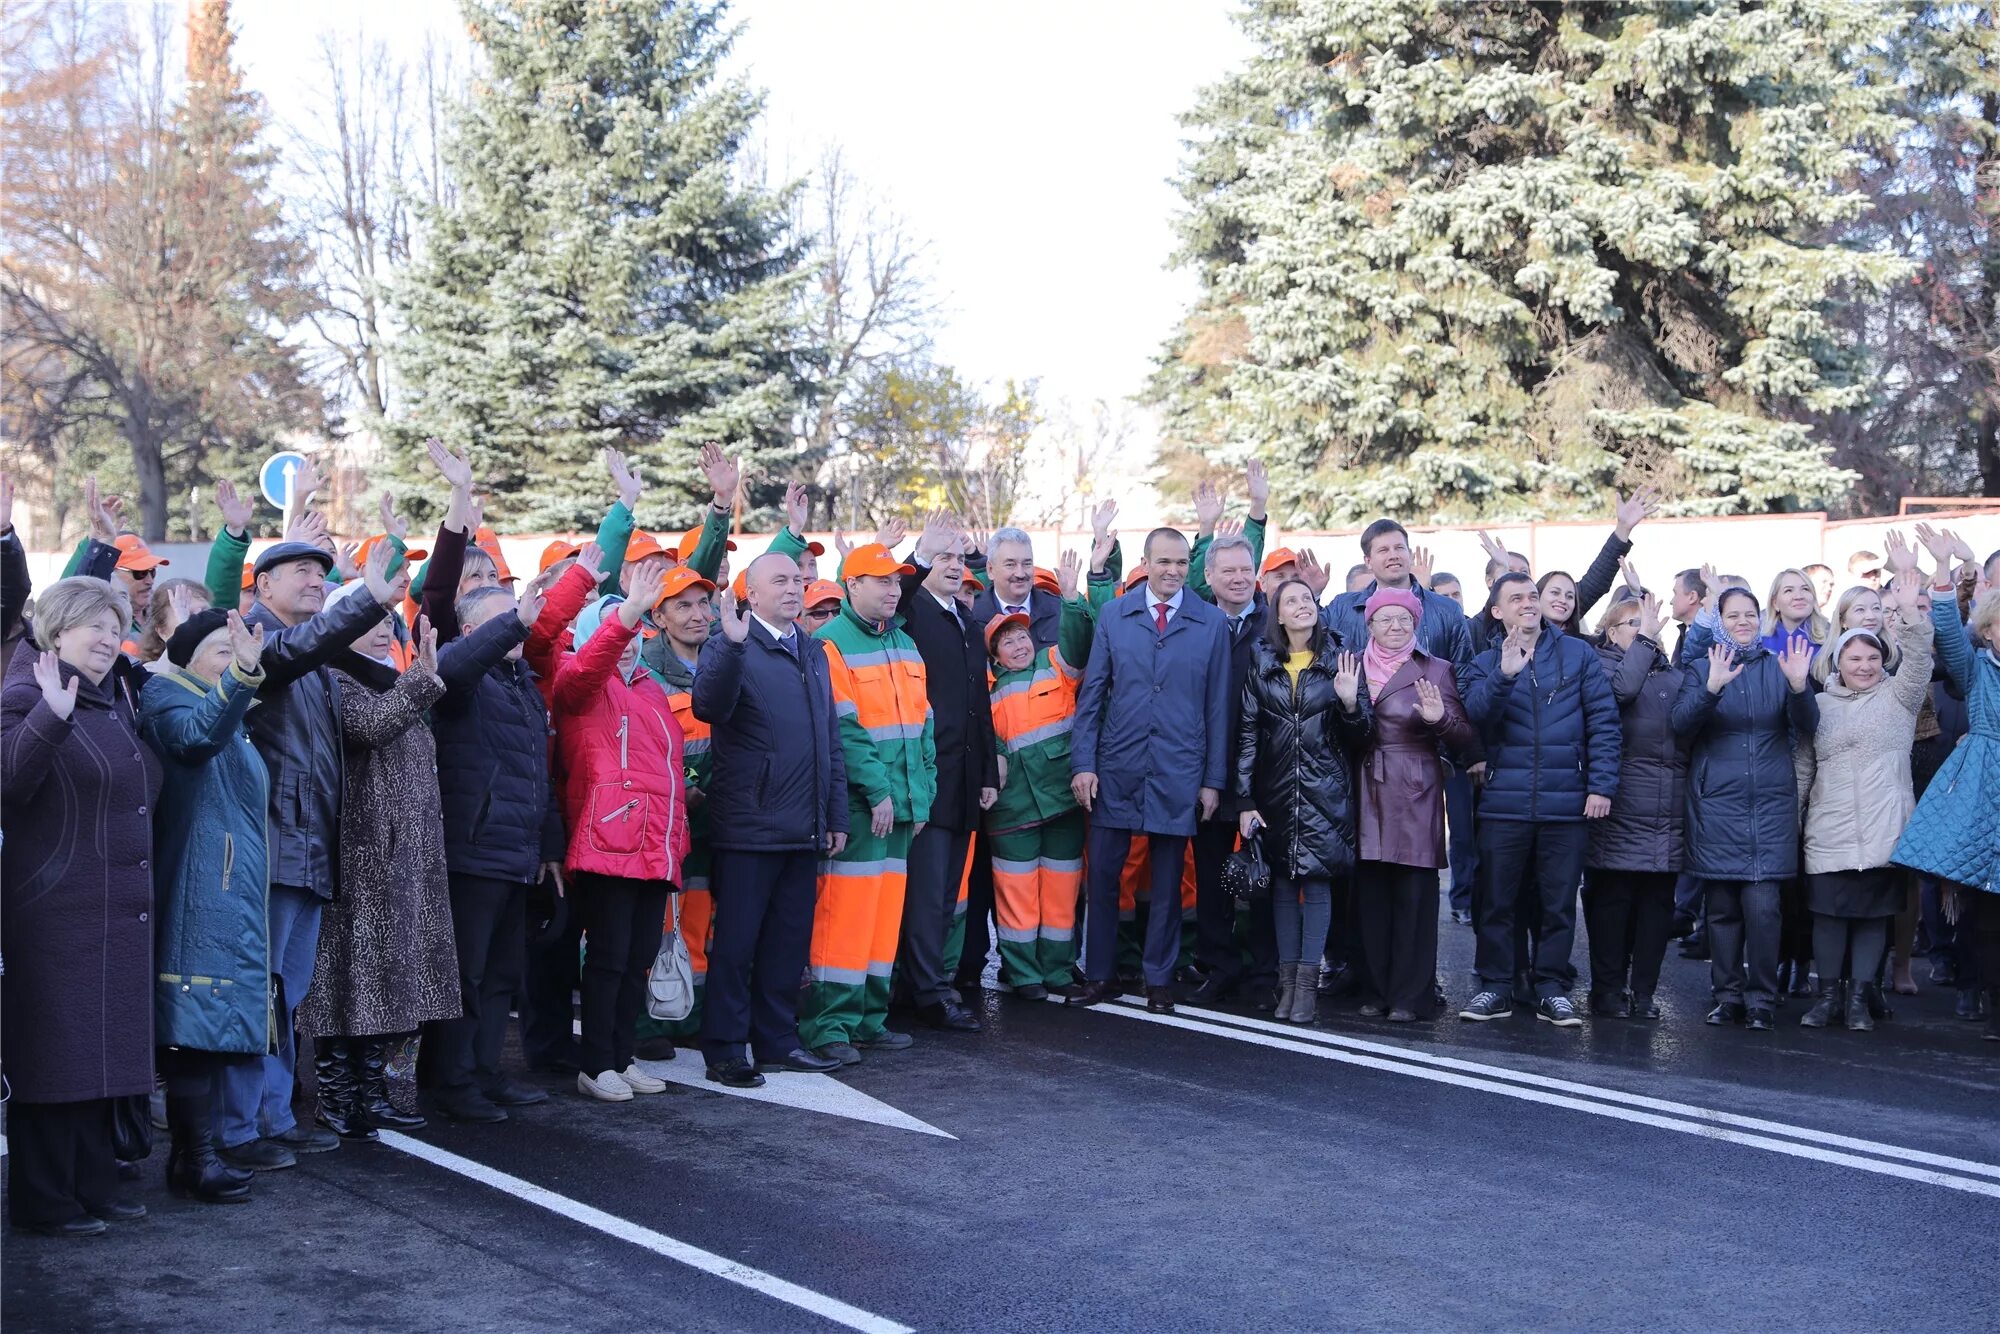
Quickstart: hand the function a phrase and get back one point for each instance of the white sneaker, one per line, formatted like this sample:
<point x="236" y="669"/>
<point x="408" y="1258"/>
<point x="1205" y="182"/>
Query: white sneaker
<point x="607" y="1087"/>
<point x="640" y="1082"/>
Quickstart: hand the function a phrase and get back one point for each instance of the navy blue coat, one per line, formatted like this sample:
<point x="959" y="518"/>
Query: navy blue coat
<point x="779" y="781"/>
<point x="1153" y="715"/>
<point x="501" y="820"/>
<point x="1742" y="793"/>
<point x="1442" y="631"/>
<point x="1551" y="732"/>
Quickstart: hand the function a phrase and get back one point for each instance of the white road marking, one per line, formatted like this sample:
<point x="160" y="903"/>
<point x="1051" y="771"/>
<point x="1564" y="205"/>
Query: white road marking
<point x="811" y="1093"/>
<point x="830" y="1308"/>
<point x="1599" y="1091"/>
<point x="1398" y="1063"/>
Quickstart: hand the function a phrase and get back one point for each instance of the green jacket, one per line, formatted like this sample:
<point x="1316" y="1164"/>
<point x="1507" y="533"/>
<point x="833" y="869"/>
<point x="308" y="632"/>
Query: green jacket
<point x="1037" y="789"/>
<point x="880" y="696"/>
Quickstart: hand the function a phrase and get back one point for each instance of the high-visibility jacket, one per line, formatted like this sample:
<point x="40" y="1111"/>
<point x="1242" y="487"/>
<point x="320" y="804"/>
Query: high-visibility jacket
<point x="678" y="678"/>
<point x="1032" y="712"/>
<point x="880" y="695"/>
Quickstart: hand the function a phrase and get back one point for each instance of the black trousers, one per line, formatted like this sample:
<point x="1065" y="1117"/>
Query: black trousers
<point x="930" y="900"/>
<point x="1216" y="949"/>
<point x="623" y="921"/>
<point x="548" y="994"/>
<point x="978" y="910"/>
<point x="490" y="928"/>
<point x="1104" y="863"/>
<point x="1463" y="850"/>
<point x="1979" y="922"/>
<point x="1744" y="925"/>
<point x="1396" y="910"/>
<point x="757" y="954"/>
<point x="59" y="1160"/>
<point x="1849" y="949"/>
<point x="1525" y="867"/>
<point x="1629" y="915"/>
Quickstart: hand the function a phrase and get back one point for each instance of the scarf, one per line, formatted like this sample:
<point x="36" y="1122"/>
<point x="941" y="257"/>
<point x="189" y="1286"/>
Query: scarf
<point x="1379" y="663"/>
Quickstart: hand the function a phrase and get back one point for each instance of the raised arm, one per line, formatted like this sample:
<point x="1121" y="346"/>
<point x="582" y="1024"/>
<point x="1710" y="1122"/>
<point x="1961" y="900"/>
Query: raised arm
<point x="369" y="721"/>
<point x="192" y="733"/>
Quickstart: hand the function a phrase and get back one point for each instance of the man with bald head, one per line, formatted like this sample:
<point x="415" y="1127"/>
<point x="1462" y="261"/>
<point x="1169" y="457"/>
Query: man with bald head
<point x="777" y="804"/>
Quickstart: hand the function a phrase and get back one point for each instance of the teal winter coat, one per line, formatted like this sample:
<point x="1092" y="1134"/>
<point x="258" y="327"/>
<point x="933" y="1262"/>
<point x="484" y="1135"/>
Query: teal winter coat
<point x="212" y="932"/>
<point x="1955" y="831"/>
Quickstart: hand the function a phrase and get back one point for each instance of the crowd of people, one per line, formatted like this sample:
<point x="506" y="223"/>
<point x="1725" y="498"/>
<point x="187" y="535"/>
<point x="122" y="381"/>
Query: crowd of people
<point x="377" y="799"/>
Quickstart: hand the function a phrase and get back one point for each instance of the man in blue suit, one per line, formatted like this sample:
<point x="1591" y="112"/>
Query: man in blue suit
<point x="1148" y="752"/>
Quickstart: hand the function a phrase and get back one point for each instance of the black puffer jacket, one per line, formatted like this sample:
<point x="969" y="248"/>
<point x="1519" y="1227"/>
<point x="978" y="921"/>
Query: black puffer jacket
<point x="492" y="729"/>
<point x="1293" y="762"/>
<point x="1742" y="797"/>
<point x="1643" y="831"/>
<point x="296" y="728"/>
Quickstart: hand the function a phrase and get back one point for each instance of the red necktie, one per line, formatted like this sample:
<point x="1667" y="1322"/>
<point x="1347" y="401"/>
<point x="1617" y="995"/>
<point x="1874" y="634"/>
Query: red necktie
<point x="1160" y="616"/>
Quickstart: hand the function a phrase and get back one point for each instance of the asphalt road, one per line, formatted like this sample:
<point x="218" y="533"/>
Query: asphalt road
<point x="1115" y="1171"/>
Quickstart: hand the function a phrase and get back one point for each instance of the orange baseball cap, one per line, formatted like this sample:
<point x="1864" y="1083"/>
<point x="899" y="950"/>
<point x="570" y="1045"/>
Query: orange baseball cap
<point x="489" y="541"/>
<point x="558" y="550"/>
<point x="1046" y="581"/>
<point x="1282" y="556"/>
<point x="643" y="546"/>
<point x="873" y="558"/>
<point x="1134" y="579"/>
<point x="134" y="554"/>
<point x="823" y="590"/>
<point x="740" y="586"/>
<point x="249" y="574"/>
<point x="689" y="541"/>
<point x="971" y="580"/>
<point x="816" y="548"/>
<point x="413" y="554"/>
<point x="1001" y="622"/>
<point x="679" y="580"/>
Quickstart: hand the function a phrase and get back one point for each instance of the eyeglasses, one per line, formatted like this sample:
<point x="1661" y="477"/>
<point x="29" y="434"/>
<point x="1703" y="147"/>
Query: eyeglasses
<point x="816" y="614"/>
<point x="140" y="574"/>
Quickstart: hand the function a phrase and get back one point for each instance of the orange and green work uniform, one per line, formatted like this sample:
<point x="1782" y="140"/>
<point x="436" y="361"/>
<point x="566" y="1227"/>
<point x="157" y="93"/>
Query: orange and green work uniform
<point x="1036" y="829"/>
<point x="890" y="745"/>
<point x="697" y="908"/>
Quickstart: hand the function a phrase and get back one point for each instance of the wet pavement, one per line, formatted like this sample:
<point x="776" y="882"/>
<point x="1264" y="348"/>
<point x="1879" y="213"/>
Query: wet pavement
<point x="1114" y="1170"/>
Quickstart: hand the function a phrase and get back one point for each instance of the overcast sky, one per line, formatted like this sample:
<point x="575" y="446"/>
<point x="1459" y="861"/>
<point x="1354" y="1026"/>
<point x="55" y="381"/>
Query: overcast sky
<point x="1029" y="142"/>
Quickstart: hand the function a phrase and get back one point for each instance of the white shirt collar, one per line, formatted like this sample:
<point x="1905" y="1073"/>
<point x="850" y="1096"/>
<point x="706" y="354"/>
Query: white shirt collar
<point x="949" y="604"/>
<point x="1173" y="603"/>
<point x="776" y="633"/>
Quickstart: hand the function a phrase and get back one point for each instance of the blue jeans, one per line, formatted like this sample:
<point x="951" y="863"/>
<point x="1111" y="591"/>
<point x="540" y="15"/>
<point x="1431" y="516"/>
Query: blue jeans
<point x="257" y="1095"/>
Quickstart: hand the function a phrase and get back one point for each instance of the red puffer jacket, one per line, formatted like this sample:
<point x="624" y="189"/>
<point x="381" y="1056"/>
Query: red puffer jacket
<point x="624" y="781"/>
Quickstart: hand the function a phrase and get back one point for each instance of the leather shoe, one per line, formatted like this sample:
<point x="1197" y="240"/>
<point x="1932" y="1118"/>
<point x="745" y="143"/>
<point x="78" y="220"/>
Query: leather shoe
<point x="118" y="1211"/>
<point x="513" y="1093"/>
<point x="469" y="1105"/>
<point x="800" y="1061"/>
<point x="1094" y="993"/>
<point x="85" y="1226"/>
<point x="843" y="1052"/>
<point x="1034" y="991"/>
<point x="950" y="1017"/>
<point x="1729" y="1012"/>
<point x="303" y="1138"/>
<point x="1214" y="988"/>
<point x="1758" y="1020"/>
<point x="887" y="1040"/>
<point x="737" y="1073"/>
<point x="1159" y="1000"/>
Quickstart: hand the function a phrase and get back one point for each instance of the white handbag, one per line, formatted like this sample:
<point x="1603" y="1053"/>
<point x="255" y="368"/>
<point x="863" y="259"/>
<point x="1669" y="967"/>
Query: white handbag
<point x="670" y="983"/>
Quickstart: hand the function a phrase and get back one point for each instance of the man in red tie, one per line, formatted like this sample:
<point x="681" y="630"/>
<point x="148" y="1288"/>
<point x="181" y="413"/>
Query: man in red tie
<point x="1149" y="751"/>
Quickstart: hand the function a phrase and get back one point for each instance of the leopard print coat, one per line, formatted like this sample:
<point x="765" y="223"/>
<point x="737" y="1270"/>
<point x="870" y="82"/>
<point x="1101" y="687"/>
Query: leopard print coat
<point x="387" y="962"/>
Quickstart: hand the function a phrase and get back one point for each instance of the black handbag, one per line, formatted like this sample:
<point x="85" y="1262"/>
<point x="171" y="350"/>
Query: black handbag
<point x="1245" y="873"/>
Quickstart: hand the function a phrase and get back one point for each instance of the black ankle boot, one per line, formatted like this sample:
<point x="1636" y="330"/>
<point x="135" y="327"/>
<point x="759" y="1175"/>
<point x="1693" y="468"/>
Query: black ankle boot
<point x="374" y="1108"/>
<point x="192" y="1167"/>
<point x="339" y="1090"/>
<point x="1858" y="1017"/>
<point x="1826" y="1009"/>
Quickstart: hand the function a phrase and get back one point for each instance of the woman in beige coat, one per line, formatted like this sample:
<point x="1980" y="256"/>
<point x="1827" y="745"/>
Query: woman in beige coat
<point x="1854" y="783"/>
